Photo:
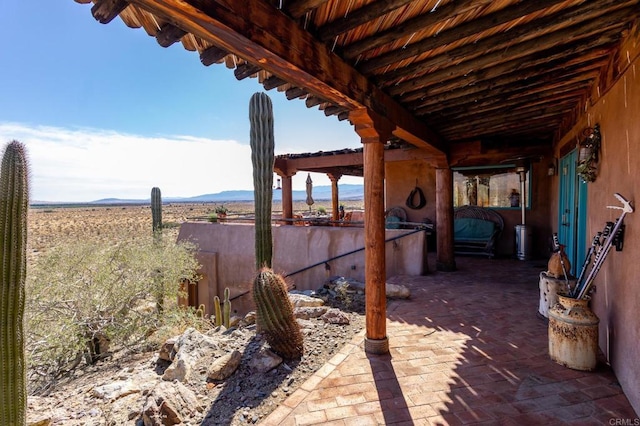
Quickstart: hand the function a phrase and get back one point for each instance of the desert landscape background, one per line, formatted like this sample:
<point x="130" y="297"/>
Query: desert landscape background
<point x="112" y="223"/>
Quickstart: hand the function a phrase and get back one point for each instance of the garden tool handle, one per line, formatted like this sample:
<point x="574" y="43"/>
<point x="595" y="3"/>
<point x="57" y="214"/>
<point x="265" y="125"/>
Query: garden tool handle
<point x="626" y="204"/>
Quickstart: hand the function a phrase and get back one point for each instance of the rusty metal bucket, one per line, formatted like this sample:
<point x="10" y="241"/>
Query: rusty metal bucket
<point x="573" y="334"/>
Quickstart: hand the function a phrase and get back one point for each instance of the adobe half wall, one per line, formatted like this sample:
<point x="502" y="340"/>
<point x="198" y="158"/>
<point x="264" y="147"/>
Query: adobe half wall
<point x="227" y="254"/>
<point x="617" y="298"/>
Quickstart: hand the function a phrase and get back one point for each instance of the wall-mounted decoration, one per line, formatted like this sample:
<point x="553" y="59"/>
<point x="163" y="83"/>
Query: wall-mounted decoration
<point x="418" y="203"/>
<point x="588" y="154"/>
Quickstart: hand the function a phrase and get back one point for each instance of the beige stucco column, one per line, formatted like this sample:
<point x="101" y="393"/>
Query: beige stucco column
<point x="445" y="260"/>
<point x="334" y="178"/>
<point x="374" y="131"/>
<point x="287" y="198"/>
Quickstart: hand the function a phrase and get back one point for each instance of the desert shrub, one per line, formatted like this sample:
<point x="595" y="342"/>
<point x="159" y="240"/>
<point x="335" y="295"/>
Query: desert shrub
<point x="84" y="292"/>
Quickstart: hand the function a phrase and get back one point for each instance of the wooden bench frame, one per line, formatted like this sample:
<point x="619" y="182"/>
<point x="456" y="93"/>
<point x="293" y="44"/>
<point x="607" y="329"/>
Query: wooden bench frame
<point x="484" y="248"/>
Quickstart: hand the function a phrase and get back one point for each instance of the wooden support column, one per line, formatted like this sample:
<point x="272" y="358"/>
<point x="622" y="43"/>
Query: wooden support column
<point x="445" y="260"/>
<point x="374" y="131"/>
<point x="287" y="198"/>
<point x="334" y="178"/>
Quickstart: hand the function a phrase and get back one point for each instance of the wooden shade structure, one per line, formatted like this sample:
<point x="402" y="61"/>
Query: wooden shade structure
<point x="465" y="82"/>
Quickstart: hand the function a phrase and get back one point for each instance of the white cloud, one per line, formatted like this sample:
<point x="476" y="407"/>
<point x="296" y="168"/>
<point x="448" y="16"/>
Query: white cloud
<point x="77" y="165"/>
<point x="89" y="164"/>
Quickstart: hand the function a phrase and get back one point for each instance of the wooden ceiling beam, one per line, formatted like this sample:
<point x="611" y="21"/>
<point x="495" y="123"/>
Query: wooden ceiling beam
<point x="536" y="127"/>
<point x="567" y="36"/>
<point x="454" y="34"/>
<point x="540" y="59"/>
<point x="245" y="70"/>
<point x="295" y="93"/>
<point x="169" y="34"/>
<point x="261" y="34"/>
<point x="506" y="94"/>
<point x="536" y="28"/>
<point x="298" y="8"/>
<point x="573" y="93"/>
<point x="410" y="26"/>
<point x="522" y="116"/>
<point x="212" y="55"/>
<point x="358" y="17"/>
<point x="530" y="78"/>
<point x="333" y="110"/>
<point x="104" y="11"/>
<point x="272" y="82"/>
<point x="312" y="101"/>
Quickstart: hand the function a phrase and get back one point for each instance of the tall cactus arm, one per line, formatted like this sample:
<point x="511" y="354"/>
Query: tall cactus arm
<point x="262" y="157"/>
<point x="14" y="203"/>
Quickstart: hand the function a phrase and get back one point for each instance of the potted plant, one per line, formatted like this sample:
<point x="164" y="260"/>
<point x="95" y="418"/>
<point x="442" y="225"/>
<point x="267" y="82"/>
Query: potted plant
<point x="221" y="211"/>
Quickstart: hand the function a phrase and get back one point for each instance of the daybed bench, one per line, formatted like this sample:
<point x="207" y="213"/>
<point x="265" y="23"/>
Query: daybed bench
<point x="475" y="230"/>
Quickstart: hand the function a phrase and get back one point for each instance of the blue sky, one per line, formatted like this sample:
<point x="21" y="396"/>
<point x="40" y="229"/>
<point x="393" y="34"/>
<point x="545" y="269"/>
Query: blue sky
<point x="106" y="112"/>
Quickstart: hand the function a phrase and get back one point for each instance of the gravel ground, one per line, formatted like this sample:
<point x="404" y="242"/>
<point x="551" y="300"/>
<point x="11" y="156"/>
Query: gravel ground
<point x="246" y="397"/>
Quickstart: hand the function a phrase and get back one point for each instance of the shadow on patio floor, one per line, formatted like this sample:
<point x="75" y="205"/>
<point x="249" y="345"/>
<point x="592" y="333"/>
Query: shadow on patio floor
<point x="467" y="348"/>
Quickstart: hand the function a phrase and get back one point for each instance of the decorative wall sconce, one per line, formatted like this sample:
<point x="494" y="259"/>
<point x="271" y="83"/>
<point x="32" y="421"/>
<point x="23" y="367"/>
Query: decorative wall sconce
<point x="588" y="154"/>
<point x="552" y="169"/>
<point x="278" y="184"/>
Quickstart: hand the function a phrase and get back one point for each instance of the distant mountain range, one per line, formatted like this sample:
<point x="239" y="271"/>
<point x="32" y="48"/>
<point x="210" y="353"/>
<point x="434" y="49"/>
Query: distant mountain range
<point x="346" y="192"/>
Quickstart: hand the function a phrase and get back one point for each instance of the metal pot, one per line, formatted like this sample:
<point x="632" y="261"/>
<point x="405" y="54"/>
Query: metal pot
<point x="573" y="334"/>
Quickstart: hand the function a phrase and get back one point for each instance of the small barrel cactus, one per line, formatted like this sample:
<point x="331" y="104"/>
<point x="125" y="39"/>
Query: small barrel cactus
<point x="262" y="157"/>
<point x="14" y="203"/>
<point x="156" y="210"/>
<point x="274" y="315"/>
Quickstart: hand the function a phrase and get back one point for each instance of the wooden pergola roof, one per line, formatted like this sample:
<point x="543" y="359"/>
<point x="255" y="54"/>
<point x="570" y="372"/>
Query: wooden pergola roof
<point x="465" y="78"/>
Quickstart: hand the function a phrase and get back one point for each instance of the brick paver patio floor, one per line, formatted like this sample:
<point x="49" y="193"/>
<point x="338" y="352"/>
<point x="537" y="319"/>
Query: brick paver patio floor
<point x="466" y="348"/>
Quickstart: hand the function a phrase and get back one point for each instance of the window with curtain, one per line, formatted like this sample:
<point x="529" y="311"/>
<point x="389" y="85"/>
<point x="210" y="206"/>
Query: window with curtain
<point x="493" y="186"/>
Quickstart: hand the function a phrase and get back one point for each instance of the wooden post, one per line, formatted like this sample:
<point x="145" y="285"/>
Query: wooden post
<point x="287" y="199"/>
<point x="374" y="131"/>
<point x="334" y="177"/>
<point x="445" y="260"/>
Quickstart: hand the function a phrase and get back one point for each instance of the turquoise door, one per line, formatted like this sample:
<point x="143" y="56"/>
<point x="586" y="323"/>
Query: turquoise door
<point x="572" y="212"/>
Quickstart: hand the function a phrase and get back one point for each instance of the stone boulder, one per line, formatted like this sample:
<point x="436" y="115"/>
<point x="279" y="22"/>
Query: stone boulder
<point x="169" y="404"/>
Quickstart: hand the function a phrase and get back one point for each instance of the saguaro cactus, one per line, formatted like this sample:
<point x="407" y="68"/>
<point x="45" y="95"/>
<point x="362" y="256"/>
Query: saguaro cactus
<point x="262" y="157"/>
<point x="156" y="210"/>
<point x="274" y="315"/>
<point x="14" y="202"/>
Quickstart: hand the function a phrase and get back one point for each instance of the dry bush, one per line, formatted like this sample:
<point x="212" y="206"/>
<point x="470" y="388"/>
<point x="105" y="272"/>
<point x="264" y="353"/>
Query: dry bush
<point x="80" y="293"/>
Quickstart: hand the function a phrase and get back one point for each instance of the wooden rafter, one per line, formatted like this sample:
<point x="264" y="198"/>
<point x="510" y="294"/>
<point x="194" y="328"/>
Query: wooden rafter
<point x="529" y="48"/>
<point x="359" y="17"/>
<point x="105" y="11"/>
<point x="501" y="41"/>
<point x="264" y="36"/>
<point x="527" y="62"/>
<point x="407" y="28"/>
<point x="457" y="33"/>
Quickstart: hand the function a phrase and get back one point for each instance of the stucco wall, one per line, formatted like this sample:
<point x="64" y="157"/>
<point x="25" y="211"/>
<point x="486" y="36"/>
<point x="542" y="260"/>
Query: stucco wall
<point x="294" y="248"/>
<point x="617" y="298"/>
<point x="401" y="178"/>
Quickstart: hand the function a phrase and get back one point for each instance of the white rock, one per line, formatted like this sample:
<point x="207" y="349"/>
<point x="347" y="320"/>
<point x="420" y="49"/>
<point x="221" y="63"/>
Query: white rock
<point x="115" y="390"/>
<point x="264" y="361"/>
<point x="306" y="312"/>
<point x="225" y="366"/>
<point x="300" y="300"/>
<point x="335" y="316"/>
